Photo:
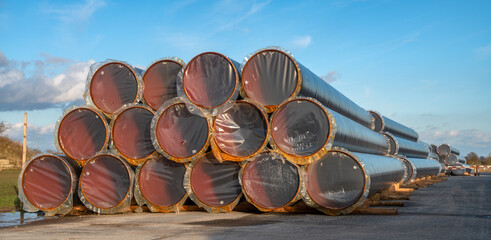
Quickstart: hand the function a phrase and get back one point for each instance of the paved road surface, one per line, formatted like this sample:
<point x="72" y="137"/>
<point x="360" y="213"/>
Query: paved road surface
<point x="459" y="208"/>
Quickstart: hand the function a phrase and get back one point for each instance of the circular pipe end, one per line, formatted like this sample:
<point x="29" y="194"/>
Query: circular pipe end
<point x="270" y="181"/>
<point x="337" y="181"/>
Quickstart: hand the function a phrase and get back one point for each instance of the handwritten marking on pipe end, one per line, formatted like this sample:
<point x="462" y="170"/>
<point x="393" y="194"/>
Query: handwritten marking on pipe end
<point x="221" y="202"/>
<point x="275" y="128"/>
<point x="102" y="72"/>
<point x="194" y="151"/>
<point x="355" y="167"/>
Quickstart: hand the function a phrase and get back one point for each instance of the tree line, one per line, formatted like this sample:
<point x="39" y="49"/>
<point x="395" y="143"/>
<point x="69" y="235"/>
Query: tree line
<point x="474" y="159"/>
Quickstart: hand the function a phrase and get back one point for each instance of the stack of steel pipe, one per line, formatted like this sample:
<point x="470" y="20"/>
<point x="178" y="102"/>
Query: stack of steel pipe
<point x="450" y="156"/>
<point x="214" y="130"/>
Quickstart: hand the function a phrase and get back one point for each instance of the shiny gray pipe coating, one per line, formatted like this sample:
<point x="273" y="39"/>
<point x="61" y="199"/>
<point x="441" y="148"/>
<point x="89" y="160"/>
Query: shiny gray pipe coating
<point x="385" y="124"/>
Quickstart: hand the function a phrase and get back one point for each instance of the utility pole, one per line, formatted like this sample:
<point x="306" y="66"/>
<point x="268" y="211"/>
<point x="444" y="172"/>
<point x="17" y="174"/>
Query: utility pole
<point x="24" y="146"/>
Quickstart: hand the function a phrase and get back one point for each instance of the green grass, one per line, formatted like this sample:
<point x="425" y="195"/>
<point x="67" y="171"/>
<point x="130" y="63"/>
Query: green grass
<point x="8" y="185"/>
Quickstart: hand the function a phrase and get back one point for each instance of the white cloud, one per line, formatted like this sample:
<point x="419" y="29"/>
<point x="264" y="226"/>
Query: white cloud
<point x="331" y="76"/>
<point x="302" y="41"/>
<point x="464" y="140"/>
<point x="38" y="137"/>
<point x="484" y="51"/>
<point x="30" y="87"/>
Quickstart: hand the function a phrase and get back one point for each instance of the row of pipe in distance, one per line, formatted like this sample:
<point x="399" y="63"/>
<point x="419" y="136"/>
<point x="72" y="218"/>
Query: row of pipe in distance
<point x="215" y="130"/>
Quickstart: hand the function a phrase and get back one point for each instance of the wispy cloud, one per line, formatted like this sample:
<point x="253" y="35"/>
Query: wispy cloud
<point x="30" y="86"/>
<point x="74" y="13"/>
<point x="467" y="139"/>
<point x="484" y="51"/>
<point x="331" y="76"/>
<point x="230" y="23"/>
<point x="302" y="41"/>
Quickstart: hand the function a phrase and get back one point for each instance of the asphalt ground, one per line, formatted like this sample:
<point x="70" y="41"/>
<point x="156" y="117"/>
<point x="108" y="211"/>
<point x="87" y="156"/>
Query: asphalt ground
<point x="459" y="208"/>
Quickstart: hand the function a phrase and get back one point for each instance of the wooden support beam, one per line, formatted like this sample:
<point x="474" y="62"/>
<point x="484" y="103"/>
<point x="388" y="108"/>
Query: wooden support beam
<point x="394" y="197"/>
<point x="387" y="204"/>
<point x="376" y="211"/>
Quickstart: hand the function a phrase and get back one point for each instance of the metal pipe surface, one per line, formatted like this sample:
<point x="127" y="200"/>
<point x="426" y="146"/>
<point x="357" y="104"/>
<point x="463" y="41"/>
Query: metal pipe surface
<point x="425" y="167"/>
<point x="304" y="130"/>
<point x="269" y="181"/>
<point x="160" y="80"/>
<point x="159" y="184"/>
<point x="406" y="147"/>
<point x="131" y="133"/>
<point x="213" y="185"/>
<point x="82" y="132"/>
<point x="106" y="184"/>
<point x="446" y="150"/>
<point x="209" y="80"/>
<point x="112" y="84"/>
<point x="271" y="76"/>
<point x="239" y="132"/>
<point x="385" y="124"/>
<point x="48" y="183"/>
<point x="341" y="180"/>
<point x="178" y="134"/>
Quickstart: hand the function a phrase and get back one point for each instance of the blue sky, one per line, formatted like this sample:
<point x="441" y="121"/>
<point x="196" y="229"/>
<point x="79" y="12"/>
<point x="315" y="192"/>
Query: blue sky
<point x="426" y="64"/>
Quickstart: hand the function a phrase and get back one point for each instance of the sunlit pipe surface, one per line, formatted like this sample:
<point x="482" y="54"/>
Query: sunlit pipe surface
<point x="425" y="167"/>
<point x="106" y="184"/>
<point x="212" y="184"/>
<point x="159" y="184"/>
<point x="240" y="131"/>
<point x="406" y="147"/>
<point x="111" y="85"/>
<point x="48" y="183"/>
<point x="131" y="133"/>
<point x="385" y="124"/>
<point x="81" y="132"/>
<point x="342" y="180"/>
<point x="210" y="79"/>
<point x="160" y="80"/>
<point x="269" y="181"/>
<point x="271" y="76"/>
<point x="445" y="150"/>
<point x="304" y="130"/>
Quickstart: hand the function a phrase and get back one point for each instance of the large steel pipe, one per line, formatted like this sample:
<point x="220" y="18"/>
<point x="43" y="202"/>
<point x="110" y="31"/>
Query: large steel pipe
<point x="209" y="80"/>
<point x="269" y="181"/>
<point x="112" y="84"/>
<point x="385" y="124"/>
<point x="213" y="185"/>
<point x="341" y="180"/>
<point x="406" y="147"/>
<point x="48" y="183"/>
<point x="451" y="159"/>
<point x="82" y="132"/>
<point x="239" y="132"/>
<point x="271" y="76"/>
<point x="178" y="134"/>
<point x="410" y="169"/>
<point x="445" y="150"/>
<point x="425" y="167"/>
<point x="160" y="81"/>
<point x="304" y="130"/>
<point x="106" y="184"/>
<point x="159" y="184"/>
<point x="131" y="133"/>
